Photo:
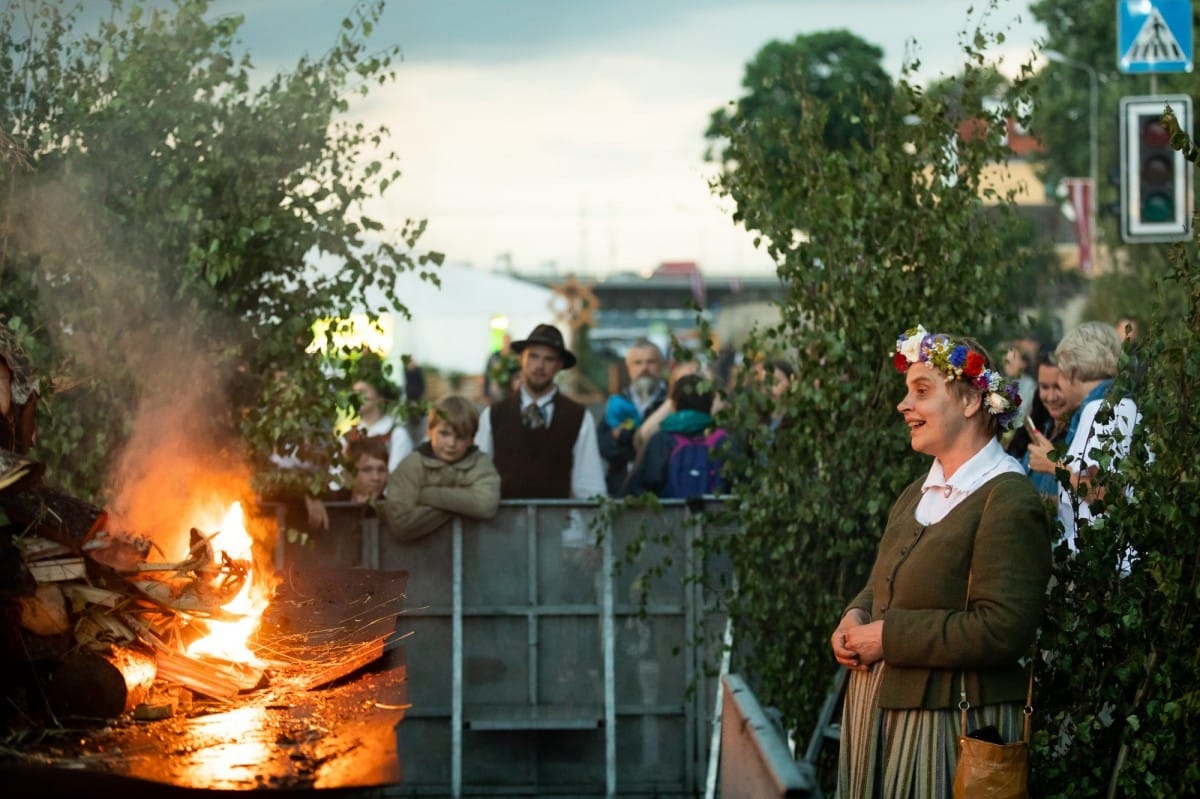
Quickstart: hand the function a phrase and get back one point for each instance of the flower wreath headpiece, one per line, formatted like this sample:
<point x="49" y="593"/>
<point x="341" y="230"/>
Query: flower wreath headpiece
<point x="958" y="362"/>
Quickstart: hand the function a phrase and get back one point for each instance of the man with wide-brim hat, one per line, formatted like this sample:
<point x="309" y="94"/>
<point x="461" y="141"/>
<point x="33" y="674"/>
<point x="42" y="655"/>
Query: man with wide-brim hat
<point x="547" y="336"/>
<point x="543" y="443"/>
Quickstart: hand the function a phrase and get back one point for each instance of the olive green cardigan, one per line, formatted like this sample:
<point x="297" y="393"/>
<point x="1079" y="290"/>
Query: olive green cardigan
<point x="999" y="539"/>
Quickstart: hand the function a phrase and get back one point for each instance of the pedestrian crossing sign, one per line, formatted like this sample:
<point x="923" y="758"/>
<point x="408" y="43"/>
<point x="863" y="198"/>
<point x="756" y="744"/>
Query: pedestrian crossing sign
<point x="1154" y="36"/>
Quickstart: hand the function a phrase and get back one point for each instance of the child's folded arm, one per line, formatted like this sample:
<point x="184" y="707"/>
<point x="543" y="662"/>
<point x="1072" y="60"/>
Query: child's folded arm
<point x="479" y="500"/>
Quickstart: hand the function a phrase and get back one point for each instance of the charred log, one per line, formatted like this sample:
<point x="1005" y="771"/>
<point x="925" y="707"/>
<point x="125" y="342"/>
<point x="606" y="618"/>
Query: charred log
<point x="46" y="512"/>
<point x="102" y="685"/>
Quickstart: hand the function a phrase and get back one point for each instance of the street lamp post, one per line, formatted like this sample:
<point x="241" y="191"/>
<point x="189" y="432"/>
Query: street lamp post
<point x="1093" y="134"/>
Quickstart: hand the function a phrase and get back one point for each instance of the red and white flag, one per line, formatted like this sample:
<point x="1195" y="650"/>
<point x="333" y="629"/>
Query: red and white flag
<point x="1081" y="193"/>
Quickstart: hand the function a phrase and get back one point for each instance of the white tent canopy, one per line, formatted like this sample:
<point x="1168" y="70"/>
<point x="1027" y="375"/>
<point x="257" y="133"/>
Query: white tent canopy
<point x="450" y="328"/>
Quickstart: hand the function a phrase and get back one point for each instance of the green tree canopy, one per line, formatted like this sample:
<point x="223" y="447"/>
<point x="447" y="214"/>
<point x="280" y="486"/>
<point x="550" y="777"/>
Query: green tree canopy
<point x="870" y="238"/>
<point x="163" y="206"/>
<point x="835" y="69"/>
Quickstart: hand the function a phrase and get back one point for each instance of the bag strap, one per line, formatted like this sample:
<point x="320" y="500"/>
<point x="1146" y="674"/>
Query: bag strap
<point x="963" y="704"/>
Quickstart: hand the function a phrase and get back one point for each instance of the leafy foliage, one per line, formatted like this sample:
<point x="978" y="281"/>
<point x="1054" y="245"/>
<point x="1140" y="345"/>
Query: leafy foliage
<point x="1117" y="697"/>
<point x="163" y="209"/>
<point x="869" y="239"/>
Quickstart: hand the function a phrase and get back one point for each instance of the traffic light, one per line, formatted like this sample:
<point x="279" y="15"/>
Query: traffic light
<point x="1156" y="180"/>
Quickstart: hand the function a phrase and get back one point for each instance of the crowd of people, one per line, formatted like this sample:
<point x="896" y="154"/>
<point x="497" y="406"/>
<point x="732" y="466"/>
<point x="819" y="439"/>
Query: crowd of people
<point x="952" y="603"/>
<point x="525" y="439"/>
<point x="542" y="444"/>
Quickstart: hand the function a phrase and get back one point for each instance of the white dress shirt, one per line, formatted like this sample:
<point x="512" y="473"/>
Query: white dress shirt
<point x="939" y="495"/>
<point x="587" y="469"/>
<point x="400" y="443"/>
<point x="1112" y="437"/>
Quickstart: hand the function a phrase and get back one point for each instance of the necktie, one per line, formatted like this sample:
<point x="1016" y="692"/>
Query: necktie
<point x="535" y="417"/>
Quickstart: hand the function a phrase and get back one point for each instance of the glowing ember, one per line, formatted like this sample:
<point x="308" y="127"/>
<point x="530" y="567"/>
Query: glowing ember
<point x="227" y="639"/>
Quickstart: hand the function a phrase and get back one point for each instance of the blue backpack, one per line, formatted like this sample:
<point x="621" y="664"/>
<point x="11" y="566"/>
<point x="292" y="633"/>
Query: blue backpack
<point x="693" y="468"/>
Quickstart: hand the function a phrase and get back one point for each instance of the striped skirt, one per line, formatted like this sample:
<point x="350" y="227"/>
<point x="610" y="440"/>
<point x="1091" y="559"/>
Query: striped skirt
<point x="906" y="754"/>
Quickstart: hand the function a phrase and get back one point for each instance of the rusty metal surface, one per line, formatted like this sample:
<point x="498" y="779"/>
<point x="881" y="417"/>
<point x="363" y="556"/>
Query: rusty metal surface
<point x="279" y="738"/>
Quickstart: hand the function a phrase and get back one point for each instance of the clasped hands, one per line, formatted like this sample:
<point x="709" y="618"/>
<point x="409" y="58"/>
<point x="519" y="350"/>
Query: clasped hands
<point x="857" y="642"/>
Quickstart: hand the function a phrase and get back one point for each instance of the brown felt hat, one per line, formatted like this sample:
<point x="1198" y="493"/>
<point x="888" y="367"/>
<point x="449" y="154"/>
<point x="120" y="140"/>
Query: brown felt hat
<point x="547" y="336"/>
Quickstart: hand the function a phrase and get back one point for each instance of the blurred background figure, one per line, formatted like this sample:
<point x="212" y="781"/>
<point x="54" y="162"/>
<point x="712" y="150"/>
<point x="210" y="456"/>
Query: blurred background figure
<point x="376" y="393"/>
<point x="650" y="425"/>
<point x="691" y="421"/>
<point x="781" y="374"/>
<point x="414" y="393"/>
<point x="1018" y="367"/>
<point x="1127" y="329"/>
<point x="625" y="411"/>
<point x="501" y="372"/>
<point x="1049" y="416"/>
<point x="363" y="481"/>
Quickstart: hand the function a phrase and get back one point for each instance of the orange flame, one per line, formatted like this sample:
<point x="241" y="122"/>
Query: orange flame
<point x="228" y="639"/>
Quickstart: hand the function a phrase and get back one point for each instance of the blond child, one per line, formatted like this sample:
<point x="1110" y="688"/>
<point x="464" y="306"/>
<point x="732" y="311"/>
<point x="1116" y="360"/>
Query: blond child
<point x="445" y="476"/>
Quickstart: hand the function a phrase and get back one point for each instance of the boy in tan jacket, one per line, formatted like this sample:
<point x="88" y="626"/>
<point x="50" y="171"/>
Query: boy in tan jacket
<point x="445" y="476"/>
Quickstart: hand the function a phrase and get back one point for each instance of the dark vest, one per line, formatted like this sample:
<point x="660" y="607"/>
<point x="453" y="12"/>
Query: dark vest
<point x="535" y="464"/>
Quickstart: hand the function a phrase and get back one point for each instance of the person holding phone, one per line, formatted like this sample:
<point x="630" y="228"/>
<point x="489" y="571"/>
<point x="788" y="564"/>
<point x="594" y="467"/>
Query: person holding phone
<point x="1045" y="428"/>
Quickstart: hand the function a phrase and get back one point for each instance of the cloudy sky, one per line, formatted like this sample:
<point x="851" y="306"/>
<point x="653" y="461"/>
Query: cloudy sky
<point x="567" y="135"/>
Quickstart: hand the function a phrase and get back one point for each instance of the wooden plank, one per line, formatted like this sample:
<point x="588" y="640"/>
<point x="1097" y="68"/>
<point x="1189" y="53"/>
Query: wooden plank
<point x="200" y="676"/>
<point x="37" y="548"/>
<point x="57" y="570"/>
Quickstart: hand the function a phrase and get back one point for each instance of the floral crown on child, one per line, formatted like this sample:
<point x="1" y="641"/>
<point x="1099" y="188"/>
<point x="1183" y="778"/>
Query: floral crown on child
<point x="959" y="362"/>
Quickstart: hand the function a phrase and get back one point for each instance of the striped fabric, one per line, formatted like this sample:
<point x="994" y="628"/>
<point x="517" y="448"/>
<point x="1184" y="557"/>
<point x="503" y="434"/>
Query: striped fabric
<point x="906" y="754"/>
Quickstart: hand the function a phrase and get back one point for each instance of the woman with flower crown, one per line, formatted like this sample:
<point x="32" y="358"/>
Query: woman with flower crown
<point x="957" y="588"/>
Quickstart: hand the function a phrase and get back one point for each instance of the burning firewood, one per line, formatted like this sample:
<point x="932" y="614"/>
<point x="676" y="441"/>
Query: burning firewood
<point x="101" y="626"/>
<point x="124" y="553"/>
<point x="34" y="548"/>
<point x="201" y="594"/>
<point x="102" y="684"/>
<point x="124" y="621"/>
<point x="45" y="613"/>
<point x="82" y="594"/>
<point x="209" y="676"/>
<point x="57" y="570"/>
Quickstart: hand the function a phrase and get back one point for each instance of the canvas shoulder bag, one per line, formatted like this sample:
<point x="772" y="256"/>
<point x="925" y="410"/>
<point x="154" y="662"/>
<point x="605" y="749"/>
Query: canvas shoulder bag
<point x="988" y="770"/>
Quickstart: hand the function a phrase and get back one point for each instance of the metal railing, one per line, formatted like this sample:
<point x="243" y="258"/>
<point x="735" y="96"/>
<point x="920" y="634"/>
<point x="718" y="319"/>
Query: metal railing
<point x="561" y="648"/>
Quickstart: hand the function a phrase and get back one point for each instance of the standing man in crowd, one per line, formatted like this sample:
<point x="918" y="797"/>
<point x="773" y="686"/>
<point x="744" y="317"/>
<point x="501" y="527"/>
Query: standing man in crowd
<point x="624" y="412"/>
<point x="543" y="444"/>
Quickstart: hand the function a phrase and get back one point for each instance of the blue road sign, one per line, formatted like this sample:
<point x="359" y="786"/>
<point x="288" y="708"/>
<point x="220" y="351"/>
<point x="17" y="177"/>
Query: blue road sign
<point x="1154" y="36"/>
